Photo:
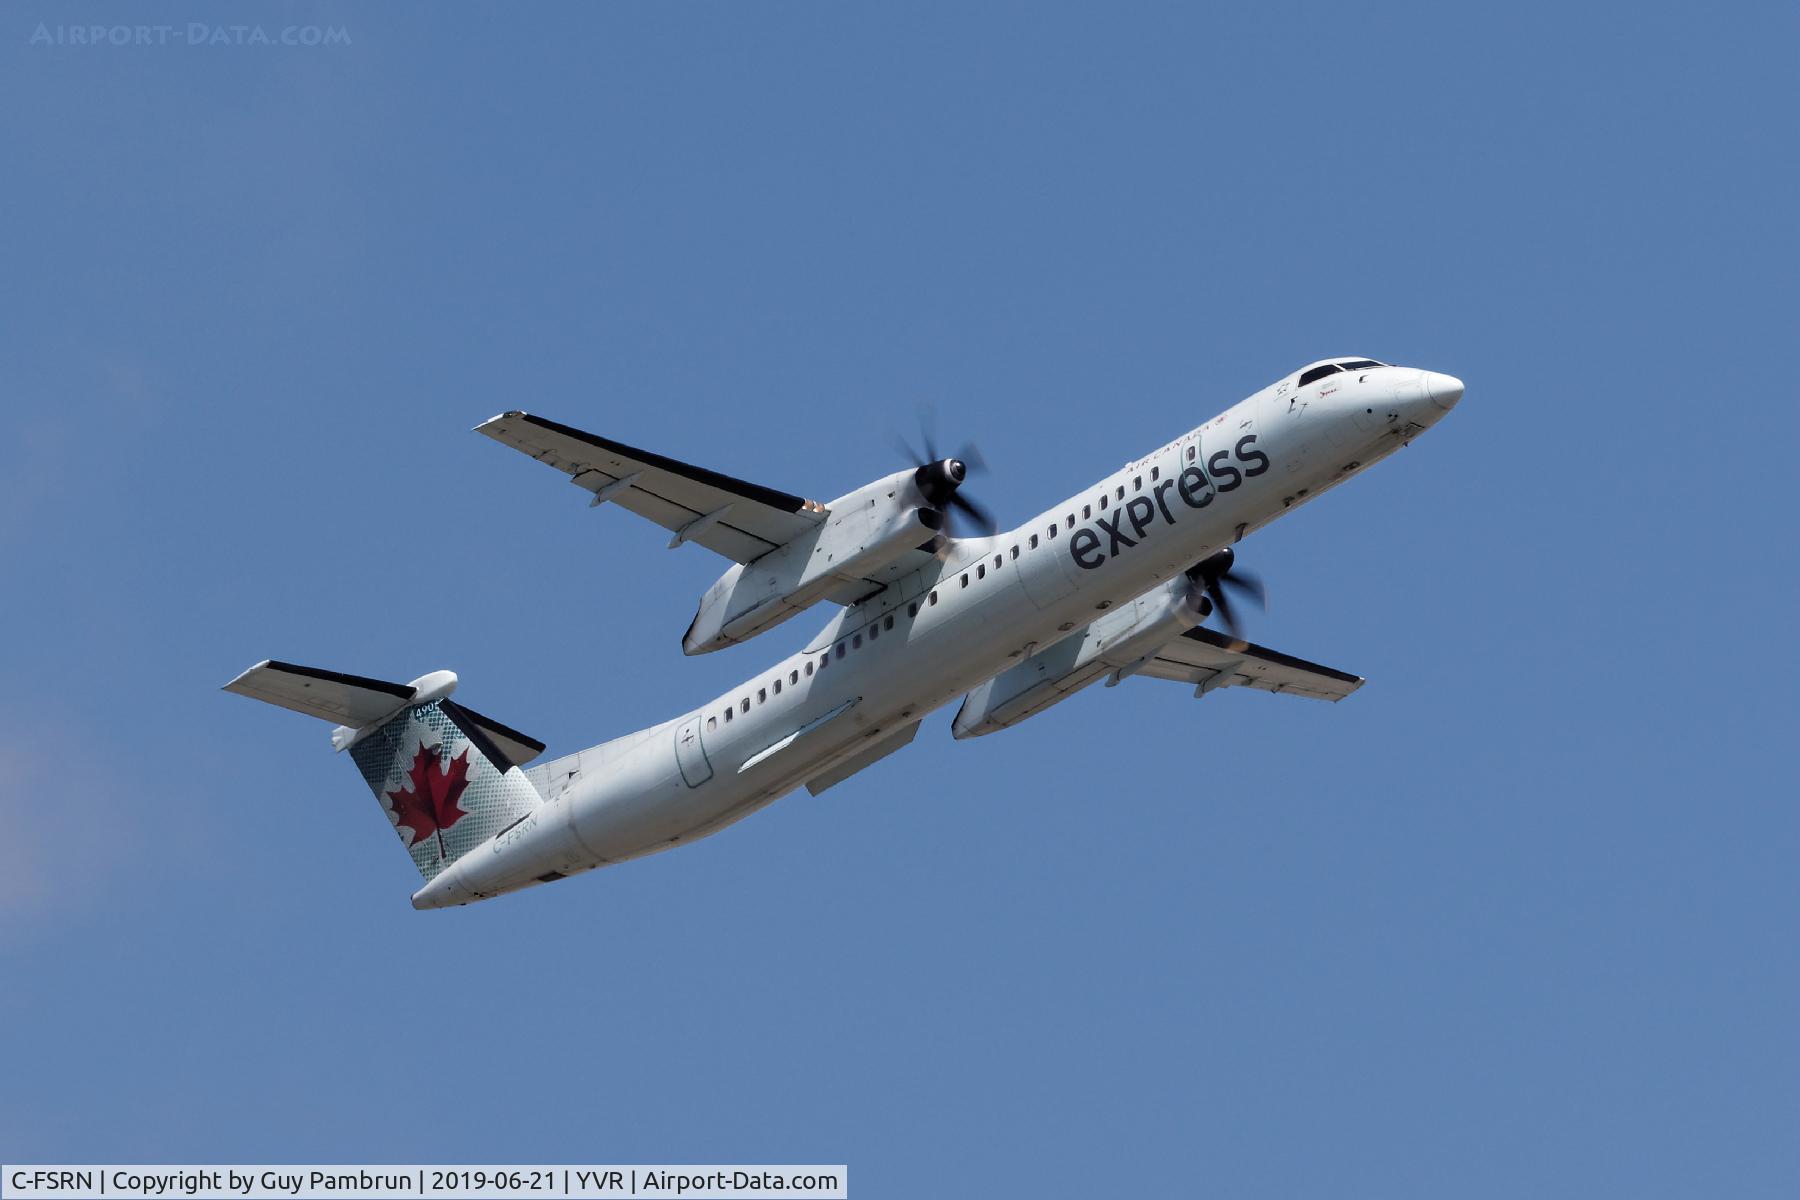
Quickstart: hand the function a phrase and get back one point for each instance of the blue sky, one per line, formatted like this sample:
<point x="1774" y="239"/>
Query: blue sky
<point x="1516" y="919"/>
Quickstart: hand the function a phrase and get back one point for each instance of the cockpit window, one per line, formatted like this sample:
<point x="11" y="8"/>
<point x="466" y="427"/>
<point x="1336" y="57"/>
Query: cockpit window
<point x="1361" y="363"/>
<point x="1319" y="373"/>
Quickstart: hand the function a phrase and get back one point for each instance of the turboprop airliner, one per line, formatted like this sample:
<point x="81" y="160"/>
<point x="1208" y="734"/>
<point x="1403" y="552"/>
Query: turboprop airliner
<point x="1117" y="582"/>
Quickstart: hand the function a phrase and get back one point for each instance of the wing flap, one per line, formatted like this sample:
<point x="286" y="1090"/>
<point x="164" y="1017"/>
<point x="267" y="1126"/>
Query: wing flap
<point x="899" y="739"/>
<point x="1210" y="660"/>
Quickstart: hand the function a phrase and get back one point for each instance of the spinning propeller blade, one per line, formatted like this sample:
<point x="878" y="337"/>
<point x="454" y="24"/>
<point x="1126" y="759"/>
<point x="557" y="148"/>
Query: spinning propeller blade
<point x="940" y="481"/>
<point x="1216" y="580"/>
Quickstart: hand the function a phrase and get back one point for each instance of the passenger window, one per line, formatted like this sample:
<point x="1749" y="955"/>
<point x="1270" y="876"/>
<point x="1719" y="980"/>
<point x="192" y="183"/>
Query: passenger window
<point x="1070" y="520"/>
<point x="762" y="694"/>
<point x="857" y="643"/>
<point x="1034" y="541"/>
<point x="934" y="597"/>
<point x="874" y="630"/>
<point x="776" y="687"/>
<point x="744" y="704"/>
<point x="965" y="579"/>
<point x="841" y="649"/>
<point x="1190" y="454"/>
<point x="793" y="678"/>
<point x="980" y="571"/>
<point x="809" y="668"/>
<point x="1137" y="483"/>
<point x="997" y="561"/>
<point x="1121" y="494"/>
<point x="1087" y="510"/>
<point x="887" y="622"/>
<point x="1015" y="552"/>
<point x="728" y="716"/>
<point x="1052" y="531"/>
<point x="712" y="723"/>
<point x="912" y="610"/>
<point x="824" y="660"/>
<point x="1102" y="501"/>
<point x="1155" y="474"/>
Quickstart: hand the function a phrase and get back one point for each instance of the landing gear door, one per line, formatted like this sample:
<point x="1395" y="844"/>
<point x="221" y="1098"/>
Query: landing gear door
<point x="690" y="754"/>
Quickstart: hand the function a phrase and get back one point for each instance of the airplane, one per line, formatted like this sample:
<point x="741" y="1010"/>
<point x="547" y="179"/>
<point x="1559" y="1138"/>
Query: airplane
<point x="1113" y="583"/>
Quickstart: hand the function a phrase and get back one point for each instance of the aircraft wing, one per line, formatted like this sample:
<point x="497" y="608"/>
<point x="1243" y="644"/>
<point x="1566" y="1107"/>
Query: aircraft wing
<point x="740" y="520"/>
<point x="1210" y="660"/>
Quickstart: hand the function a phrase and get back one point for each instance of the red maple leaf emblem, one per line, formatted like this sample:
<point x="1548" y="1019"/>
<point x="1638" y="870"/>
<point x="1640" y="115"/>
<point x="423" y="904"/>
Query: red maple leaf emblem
<point x="431" y="806"/>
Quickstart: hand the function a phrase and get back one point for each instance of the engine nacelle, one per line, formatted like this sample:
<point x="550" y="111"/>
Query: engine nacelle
<point x="1121" y="641"/>
<point x="871" y="526"/>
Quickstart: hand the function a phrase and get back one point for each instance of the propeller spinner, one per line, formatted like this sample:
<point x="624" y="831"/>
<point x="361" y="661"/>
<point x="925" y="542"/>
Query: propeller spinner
<point x="940" y="481"/>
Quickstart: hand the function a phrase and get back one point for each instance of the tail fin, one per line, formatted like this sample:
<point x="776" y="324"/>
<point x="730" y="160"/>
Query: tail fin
<point x="447" y="777"/>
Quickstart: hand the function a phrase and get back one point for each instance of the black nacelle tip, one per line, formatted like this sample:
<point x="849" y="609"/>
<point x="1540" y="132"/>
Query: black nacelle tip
<point x="939" y="480"/>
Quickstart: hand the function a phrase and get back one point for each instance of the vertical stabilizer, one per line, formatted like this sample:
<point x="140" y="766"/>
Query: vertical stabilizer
<point x="444" y="785"/>
<point x="447" y="778"/>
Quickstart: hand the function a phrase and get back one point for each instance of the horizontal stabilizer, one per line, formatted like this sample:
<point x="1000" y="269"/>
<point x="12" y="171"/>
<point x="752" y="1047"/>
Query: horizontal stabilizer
<point x="328" y="695"/>
<point x="357" y="704"/>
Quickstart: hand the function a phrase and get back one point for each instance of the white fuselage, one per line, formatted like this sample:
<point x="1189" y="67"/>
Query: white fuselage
<point x="882" y="664"/>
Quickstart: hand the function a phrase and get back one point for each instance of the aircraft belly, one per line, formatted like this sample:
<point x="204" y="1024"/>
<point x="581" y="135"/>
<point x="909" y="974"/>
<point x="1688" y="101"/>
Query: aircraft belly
<point x="899" y="681"/>
<point x="639" y="802"/>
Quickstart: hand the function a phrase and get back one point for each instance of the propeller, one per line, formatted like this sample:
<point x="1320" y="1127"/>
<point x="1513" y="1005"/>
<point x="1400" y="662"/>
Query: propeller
<point x="940" y="481"/>
<point x="1215" y="580"/>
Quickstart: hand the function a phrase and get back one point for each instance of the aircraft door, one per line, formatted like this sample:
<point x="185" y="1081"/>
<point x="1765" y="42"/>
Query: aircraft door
<point x="1045" y="570"/>
<point x="690" y="754"/>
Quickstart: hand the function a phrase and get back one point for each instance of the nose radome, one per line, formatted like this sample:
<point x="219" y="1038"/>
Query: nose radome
<point x="1444" y="390"/>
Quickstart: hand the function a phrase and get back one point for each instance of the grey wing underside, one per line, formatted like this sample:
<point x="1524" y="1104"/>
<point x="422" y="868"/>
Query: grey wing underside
<point x="673" y="494"/>
<point x="1209" y="660"/>
<point x="731" y="517"/>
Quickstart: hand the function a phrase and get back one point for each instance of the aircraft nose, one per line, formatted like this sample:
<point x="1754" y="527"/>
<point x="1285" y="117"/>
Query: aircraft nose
<point x="1444" y="390"/>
